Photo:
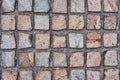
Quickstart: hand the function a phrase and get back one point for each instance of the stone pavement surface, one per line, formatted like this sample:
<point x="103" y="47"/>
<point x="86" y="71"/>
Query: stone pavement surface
<point x="59" y="40"/>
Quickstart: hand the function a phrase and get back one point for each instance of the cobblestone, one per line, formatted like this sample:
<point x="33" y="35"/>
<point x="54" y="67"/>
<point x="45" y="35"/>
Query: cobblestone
<point x="22" y="20"/>
<point x="93" y="22"/>
<point x="76" y="40"/>
<point x="42" y="59"/>
<point x="8" y="59"/>
<point x="26" y="59"/>
<point x="78" y="6"/>
<point x="77" y="74"/>
<point x="25" y="5"/>
<point x="9" y="75"/>
<point x="76" y="22"/>
<point x="93" y="59"/>
<point x="93" y="75"/>
<point x="8" y="41"/>
<point x="41" y="6"/>
<point x="42" y="22"/>
<point x="77" y="59"/>
<point x="59" y="39"/>
<point x="60" y="74"/>
<point x="8" y="22"/>
<point x="59" y="6"/>
<point x="8" y="5"/>
<point x="58" y="22"/>
<point x="43" y="75"/>
<point x="111" y="58"/>
<point x="59" y="59"/>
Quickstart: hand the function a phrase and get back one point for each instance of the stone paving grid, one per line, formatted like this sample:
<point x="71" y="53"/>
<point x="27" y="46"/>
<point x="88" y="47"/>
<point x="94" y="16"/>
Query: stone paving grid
<point x="87" y="70"/>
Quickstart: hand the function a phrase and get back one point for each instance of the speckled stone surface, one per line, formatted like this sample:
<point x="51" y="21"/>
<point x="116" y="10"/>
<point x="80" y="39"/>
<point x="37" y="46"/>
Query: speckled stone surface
<point x="59" y="39"/>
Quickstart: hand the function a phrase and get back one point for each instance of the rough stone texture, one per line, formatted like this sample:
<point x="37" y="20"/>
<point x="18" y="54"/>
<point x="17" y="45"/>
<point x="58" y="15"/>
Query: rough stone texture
<point x="111" y="5"/>
<point x="42" y="41"/>
<point x="26" y="59"/>
<point x="93" y="40"/>
<point x="59" y="6"/>
<point x="94" y="5"/>
<point x="60" y="74"/>
<point x="8" y="41"/>
<point x="111" y="74"/>
<point x="76" y="40"/>
<point x="76" y="22"/>
<point x="110" y="39"/>
<point x="41" y="6"/>
<point x="41" y="22"/>
<point x="93" y="21"/>
<point x="58" y="22"/>
<point x="22" y="20"/>
<point x="111" y="58"/>
<point x="42" y="59"/>
<point x="8" y="5"/>
<point x="25" y="75"/>
<point x="24" y="42"/>
<point x="24" y="5"/>
<point x="59" y="59"/>
<point x="43" y="75"/>
<point x="77" y="59"/>
<point x="8" y="59"/>
<point x="59" y="41"/>
<point x="110" y="22"/>
<point x="9" y="75"/>
<point x="93" y="59"/>
<point x="78" y="6"/>
<point x="77" y="74"/>
<point x="8" y="22"/>
<point x="93" y="75"/>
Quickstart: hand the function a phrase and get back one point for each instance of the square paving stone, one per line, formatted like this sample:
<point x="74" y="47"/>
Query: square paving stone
<point x="77" y="59"/>
<point x="93" y="40"/>
<point x="8" y="41"/>
<point x="24" y="5"/>
<point x="41" y="22"/>
<point x="77" y="74"/>
<point x="111" y="5"/>
<point x="93" y="75"/>
<point x="24" y="42"/>
<point x="93" y="22"/>
<point x="43" y="75"/>
<point x="110" y="39"/>
<point x="94" y="5"/>
<point x="76" y="40"/>
<point x="42" y="41"/>
<point x="59" y="59"/>
<point x="26" y="59"/>
<point x="24" y="22"/>
<point x="110" y="22"/>
<point x="60" y="74"/>
<point x="59" y="6"/>
<point x="42" y="59"/>
<point x="111" y="58"/>
<point x="76" y="22"/>
<point x="9" y="75"/>
<point x="8" y="22"/>
<point x="8" y="5"/>
<point x="93" y="59"/>
<point x="78" y="6"/>
<point x="59" y="41"/>
<point x="8" y="58"/>
<point x="41" y="6"/>
<point x="59" y="22"/>
<point x="25" y="75"/>
<point x="111" y="74"/>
